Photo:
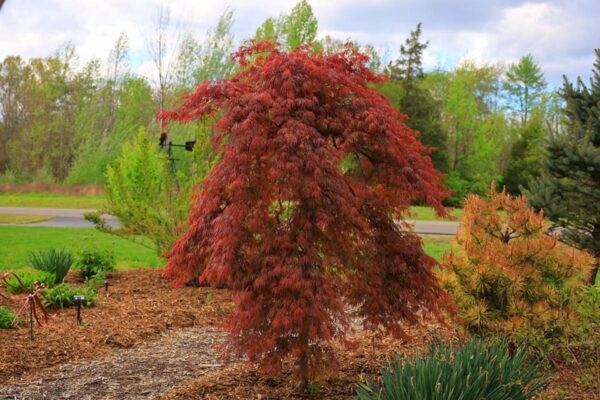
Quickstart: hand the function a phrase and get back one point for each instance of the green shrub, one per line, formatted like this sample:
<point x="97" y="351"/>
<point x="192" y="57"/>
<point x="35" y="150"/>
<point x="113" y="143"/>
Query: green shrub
<point x="92" y="262"/>
<point x="61" y="296"/>
<point x="55" y="261"/>
<point x="140" y="183"/>
<point x="472" y="371"/>
<point x="28" y="279"/>
<point x="97" y="281"/>
<point x="6" y="318"/>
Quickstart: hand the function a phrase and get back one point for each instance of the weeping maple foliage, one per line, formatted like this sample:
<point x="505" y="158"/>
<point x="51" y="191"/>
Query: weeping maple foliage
<point x="509" y="277"/>
<point x="302" y="215"/>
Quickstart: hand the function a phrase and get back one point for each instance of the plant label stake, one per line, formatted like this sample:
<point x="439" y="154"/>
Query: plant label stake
<point x="78" y="300"/>
<point x="106" y="285"/>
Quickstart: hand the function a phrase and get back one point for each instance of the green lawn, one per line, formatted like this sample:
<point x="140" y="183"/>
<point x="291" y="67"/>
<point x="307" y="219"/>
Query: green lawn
<point x="50" y="200"/>
<point x="16" y="242"/>
<point x="428" y="214"/>
<point x="437" y="245"/>
<point x="22" y="219"/>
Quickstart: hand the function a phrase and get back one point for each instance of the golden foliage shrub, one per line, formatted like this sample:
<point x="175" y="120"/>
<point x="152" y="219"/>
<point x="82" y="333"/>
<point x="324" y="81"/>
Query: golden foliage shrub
<point x="509" y="276"/>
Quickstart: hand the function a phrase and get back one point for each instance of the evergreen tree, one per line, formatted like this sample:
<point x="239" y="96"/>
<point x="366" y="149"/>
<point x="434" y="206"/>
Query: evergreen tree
<point x="406" y="93"/>
<point x="409" y="67"/>
<point x="569" y="188"/>
<point x="526" y="152"/>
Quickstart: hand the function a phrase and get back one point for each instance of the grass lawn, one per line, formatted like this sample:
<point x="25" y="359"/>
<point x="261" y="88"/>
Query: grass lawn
<point x="16" y="242"/>
<point x="437" y="245"/>
<point x="22" y="219"/>
<point x="50" y="200"/>
<point x="428" y="214"/>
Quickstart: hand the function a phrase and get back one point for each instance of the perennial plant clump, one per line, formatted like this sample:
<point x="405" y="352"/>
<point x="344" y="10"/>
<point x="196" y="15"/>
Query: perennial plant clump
<point x="473" y="370"/>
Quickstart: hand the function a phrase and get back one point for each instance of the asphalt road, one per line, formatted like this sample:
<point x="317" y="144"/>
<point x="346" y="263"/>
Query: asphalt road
<point x="63" y="217"/>
<point x="73" y="218"/>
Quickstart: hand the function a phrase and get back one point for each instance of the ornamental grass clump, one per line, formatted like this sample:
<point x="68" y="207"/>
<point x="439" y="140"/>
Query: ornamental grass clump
<point x="509" y="277"/>
<point x="57" y="262"/>
<point x="472" y="371"/>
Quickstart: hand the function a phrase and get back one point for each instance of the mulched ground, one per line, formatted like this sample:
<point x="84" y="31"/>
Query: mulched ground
<point x="140" y="372"/>
<point x="145" y="339"/>
<point x="361" y="362"/>
<point x="140" y="306"/>
<point x="242" y="382"/>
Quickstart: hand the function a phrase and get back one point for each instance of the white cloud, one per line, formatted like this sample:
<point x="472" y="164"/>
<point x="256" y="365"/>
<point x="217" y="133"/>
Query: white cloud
<point x="559" y="33"/>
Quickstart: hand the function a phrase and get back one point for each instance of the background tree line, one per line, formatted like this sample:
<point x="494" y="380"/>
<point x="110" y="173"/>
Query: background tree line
<point x="63" y="121"/>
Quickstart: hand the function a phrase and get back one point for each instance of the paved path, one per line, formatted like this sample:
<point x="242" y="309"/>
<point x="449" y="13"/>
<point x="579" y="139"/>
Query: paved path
<point x="73" y="218"/>
<point x="63" y="217"/>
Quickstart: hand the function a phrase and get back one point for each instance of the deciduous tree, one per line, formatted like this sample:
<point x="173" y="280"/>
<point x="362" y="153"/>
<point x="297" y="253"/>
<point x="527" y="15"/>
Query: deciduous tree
<point x="302" y="216"/>
<point x="525" y="84"/>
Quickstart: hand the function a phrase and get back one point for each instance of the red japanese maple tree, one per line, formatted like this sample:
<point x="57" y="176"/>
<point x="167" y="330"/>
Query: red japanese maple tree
<point x="302" y="215"/>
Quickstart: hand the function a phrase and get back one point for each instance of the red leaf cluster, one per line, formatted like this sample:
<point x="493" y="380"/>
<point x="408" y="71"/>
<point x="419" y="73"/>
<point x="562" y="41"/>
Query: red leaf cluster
<point x="302" y="215"/>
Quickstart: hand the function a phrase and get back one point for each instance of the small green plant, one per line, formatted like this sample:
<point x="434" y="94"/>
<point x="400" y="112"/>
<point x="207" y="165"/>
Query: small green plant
<point x="97" y="281"/>
<point x="57" y="262"/>
<point x="24" y="282"/>
<point x="91" y="263"/>
<point x="61" y="296"/>
<point x="475" y="370"/>
<point x="7" y="318"/>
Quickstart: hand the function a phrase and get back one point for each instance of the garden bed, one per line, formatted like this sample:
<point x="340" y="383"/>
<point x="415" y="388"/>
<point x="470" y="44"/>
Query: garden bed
<point x="145" y="339"/>
<point x="139" y="307"/>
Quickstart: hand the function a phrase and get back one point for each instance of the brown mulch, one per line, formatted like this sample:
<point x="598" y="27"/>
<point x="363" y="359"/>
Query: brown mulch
<point x="360" y="362"/>
<point x="139" y="307"/>
<point x="140" y="372"/>
<point x="145" y="339"/>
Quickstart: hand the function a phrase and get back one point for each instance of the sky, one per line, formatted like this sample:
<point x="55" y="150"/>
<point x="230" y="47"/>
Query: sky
<point x="560" y="34"/>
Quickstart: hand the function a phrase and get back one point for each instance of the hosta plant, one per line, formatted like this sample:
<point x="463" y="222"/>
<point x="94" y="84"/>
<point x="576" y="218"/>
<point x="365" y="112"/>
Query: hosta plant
<point x="472" y="371"/>
<point x="61" y="296"/>
<point x="510" y="277"/>
<point x="57" y="262"/>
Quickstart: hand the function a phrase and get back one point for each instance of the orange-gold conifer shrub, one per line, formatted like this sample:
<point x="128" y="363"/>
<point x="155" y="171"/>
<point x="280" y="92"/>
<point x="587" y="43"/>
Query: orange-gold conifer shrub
<point x="510" y="276"/>
<point x="302" y="216"/>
